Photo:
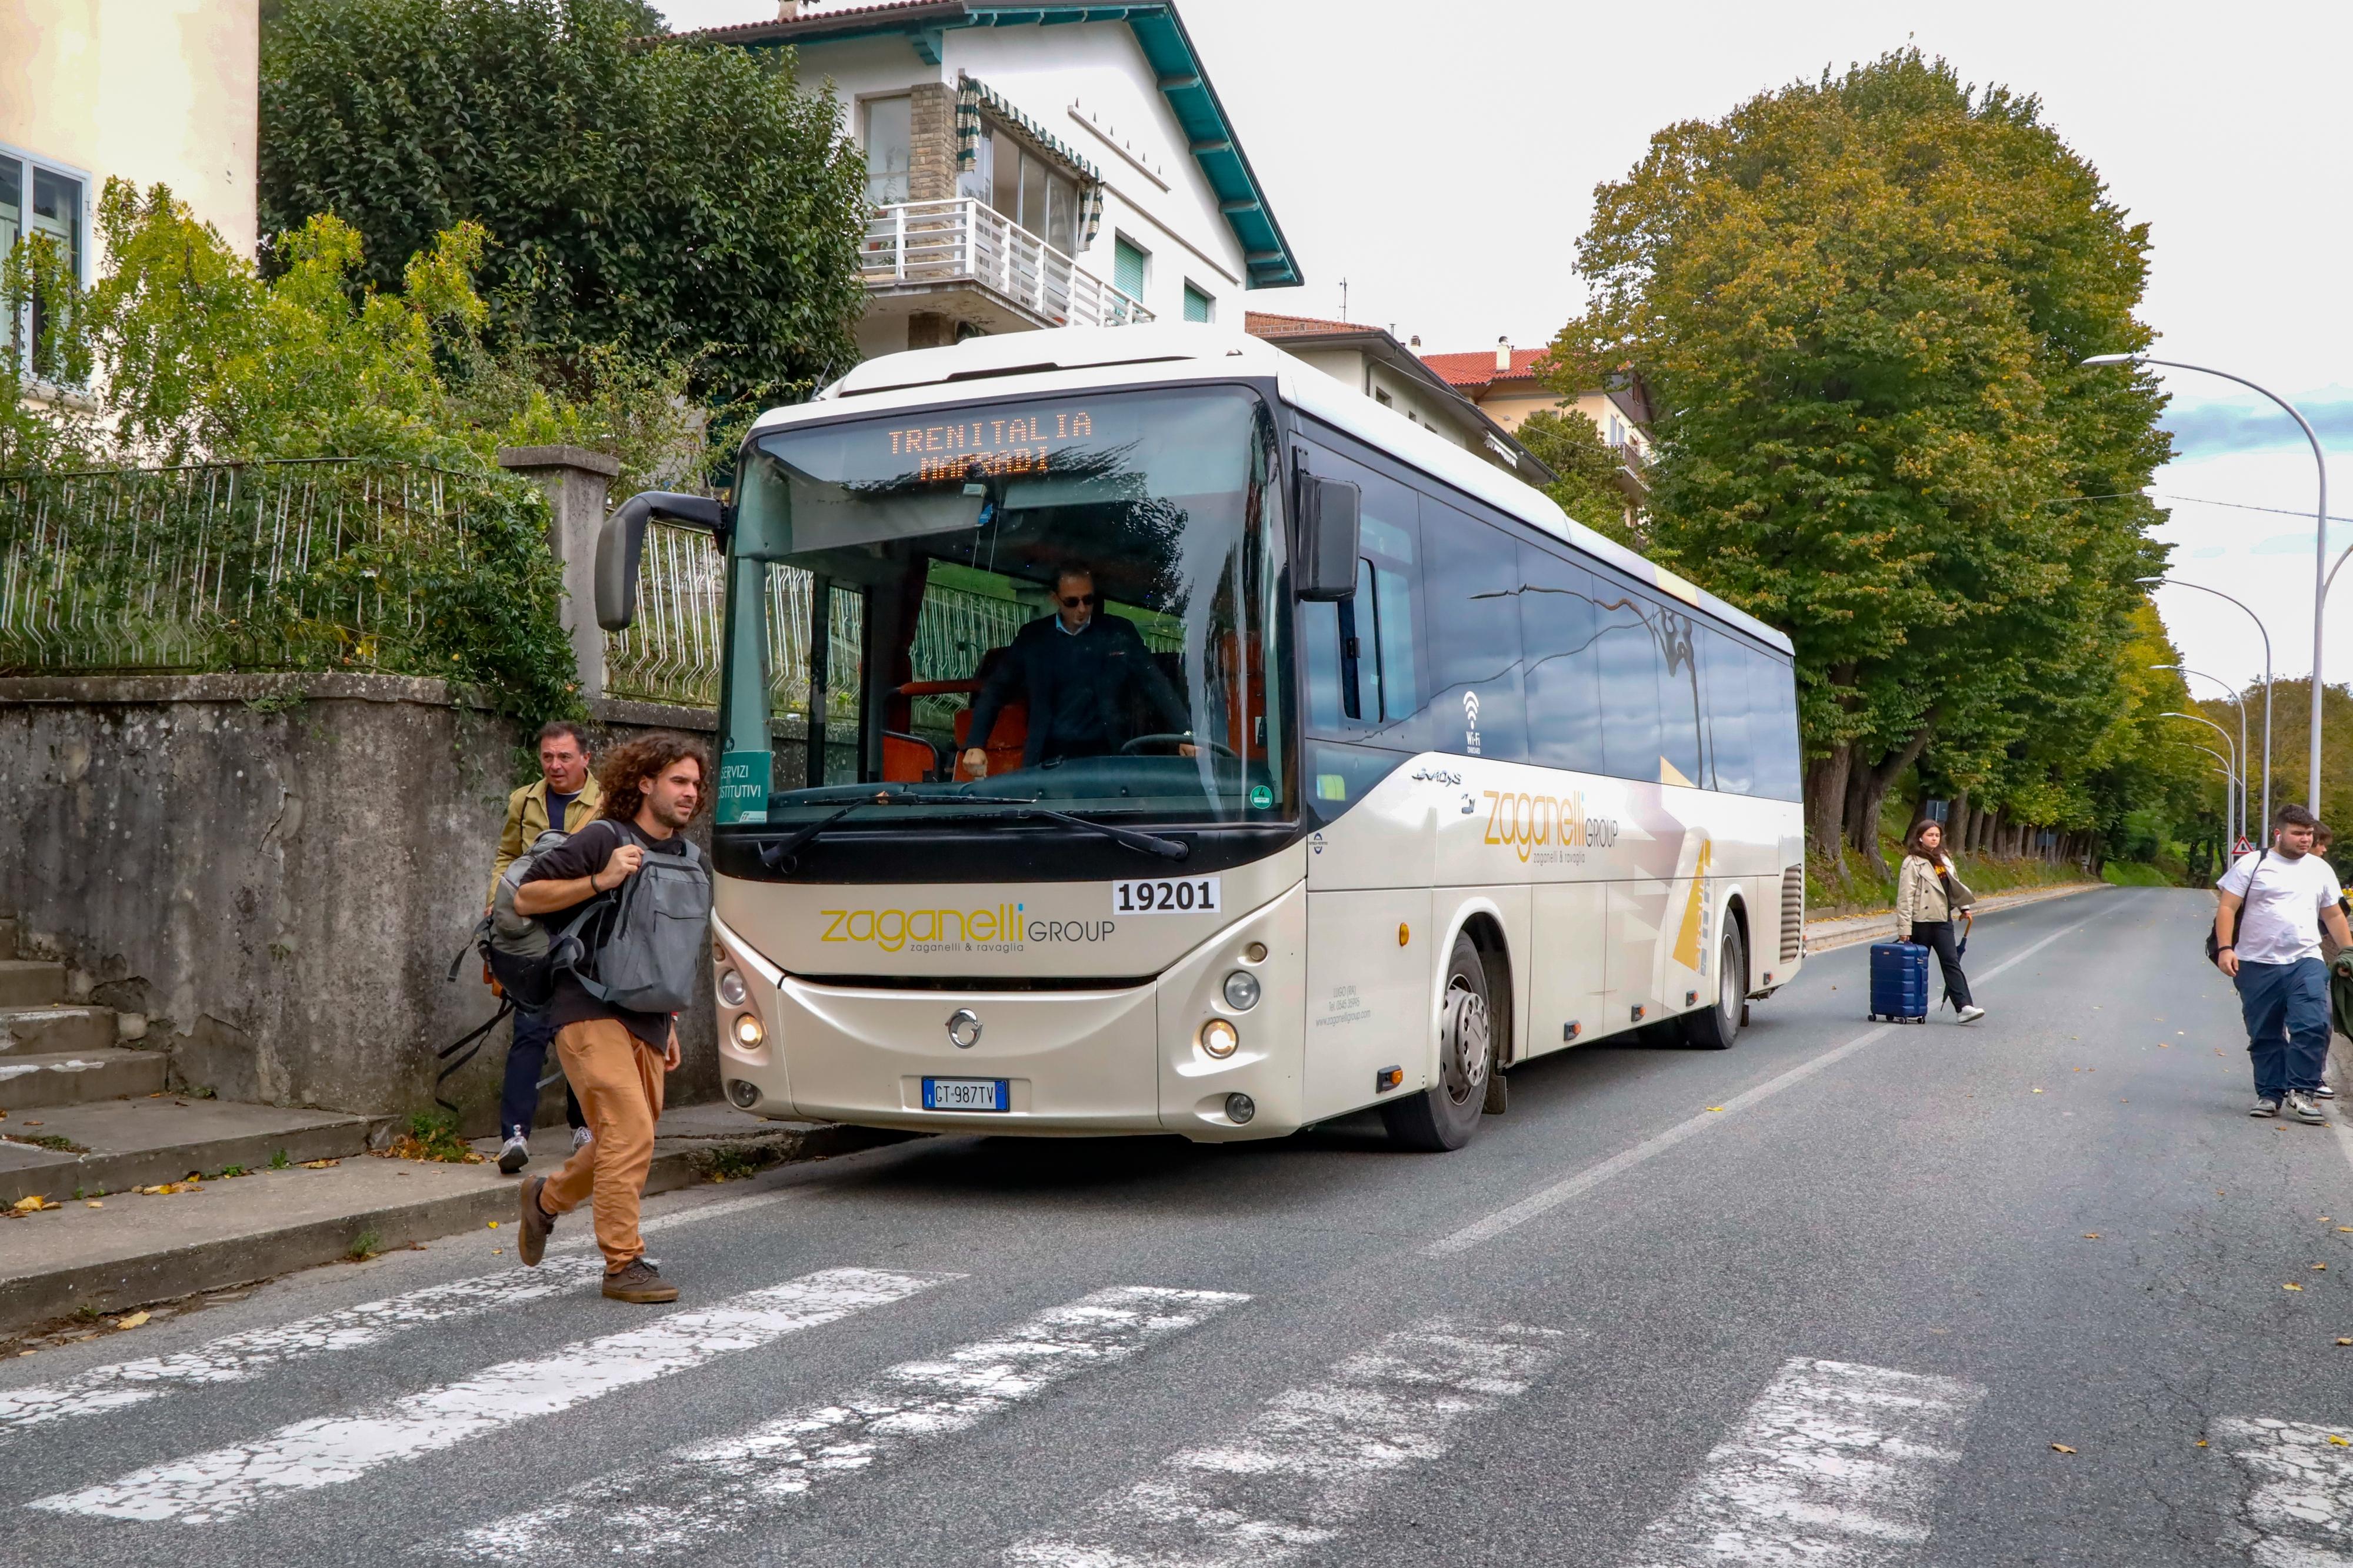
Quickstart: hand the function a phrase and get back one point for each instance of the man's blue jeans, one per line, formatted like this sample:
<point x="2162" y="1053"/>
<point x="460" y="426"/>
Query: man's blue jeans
<point x="526" y="1060"/>
<point x="2285" y="1006"/>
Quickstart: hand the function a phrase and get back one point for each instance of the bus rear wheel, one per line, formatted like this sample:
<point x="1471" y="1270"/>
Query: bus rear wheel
<point x="1443" y="1116"/>
<point x="1715" y="1028"/>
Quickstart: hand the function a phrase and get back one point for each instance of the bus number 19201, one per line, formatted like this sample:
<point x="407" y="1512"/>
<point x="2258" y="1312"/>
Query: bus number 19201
<point x="1197" y="896"/>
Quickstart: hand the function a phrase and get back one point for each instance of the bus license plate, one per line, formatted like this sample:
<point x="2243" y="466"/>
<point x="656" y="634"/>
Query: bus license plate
<point x="965" y="1094"/>
<point x="1166" y="896"/>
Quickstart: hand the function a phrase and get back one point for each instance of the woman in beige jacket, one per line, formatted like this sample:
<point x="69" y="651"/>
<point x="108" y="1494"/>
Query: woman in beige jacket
<point x="1930" y="897"/>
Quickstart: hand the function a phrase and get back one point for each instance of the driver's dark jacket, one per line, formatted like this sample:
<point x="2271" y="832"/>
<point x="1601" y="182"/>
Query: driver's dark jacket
<point x="1078" y="684"/>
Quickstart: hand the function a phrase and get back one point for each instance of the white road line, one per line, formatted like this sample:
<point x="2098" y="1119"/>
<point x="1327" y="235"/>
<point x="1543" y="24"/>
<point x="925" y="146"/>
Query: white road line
<point x="1835" y="1466"/>
<point x="233" y="1358"/>
<point x="204" y="1488"/>
<point x="1310" y="1460"/>
<point x="1592" y="1176"/>
<point x="2297" y="1511"/>
<point x="723" y="1488"/>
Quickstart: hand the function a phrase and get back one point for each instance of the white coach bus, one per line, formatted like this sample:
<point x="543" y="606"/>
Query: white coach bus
<point x="1394" y="778"/>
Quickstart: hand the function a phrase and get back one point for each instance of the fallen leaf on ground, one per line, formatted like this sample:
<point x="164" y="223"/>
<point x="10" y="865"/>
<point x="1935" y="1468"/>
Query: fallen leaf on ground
<point x="1711" y="1108"/>
<point x="494" y="1224"/>
<point x="321" y="1164"/>
<point x="2342" y="1341"/>
<point x="133" y="1321"/>
<point x="2201" y="1442"/>
<point x="2291" y="1285"/>
<point x="2038" y="1091"/>
<point x="2060" y="1448"/>
<point x="33" y="1203"/>
<point x="2320" y="1266"/>
<point x="2091" y="1236"/>
<point x="93" y="1204"/>
<point x="2339" y="1441"/>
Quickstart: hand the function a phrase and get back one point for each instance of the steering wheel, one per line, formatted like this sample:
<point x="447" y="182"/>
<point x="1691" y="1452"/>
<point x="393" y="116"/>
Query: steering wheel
<point x="1224" y="750"/>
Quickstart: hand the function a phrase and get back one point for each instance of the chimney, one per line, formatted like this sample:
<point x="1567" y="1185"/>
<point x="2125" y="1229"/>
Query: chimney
<point x="1416" y="345"/>
<point x="788" y="10"/>
<point x="1503" y="353"/>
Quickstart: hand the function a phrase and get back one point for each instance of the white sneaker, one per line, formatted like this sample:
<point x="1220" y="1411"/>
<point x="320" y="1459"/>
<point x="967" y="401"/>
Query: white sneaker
<point x="514" y="1153"/>
<point x="2264" y="1108"/>
<point x="2301" y="1107"/>
<point x="581" y="1139"/>
<point x="2323" y="1092"/>
<point x="1970" y="1013"/>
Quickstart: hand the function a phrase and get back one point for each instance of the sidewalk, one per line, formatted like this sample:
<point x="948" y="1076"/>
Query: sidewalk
<point x="109" y="1254"/>
<point x="1879" y="925"/>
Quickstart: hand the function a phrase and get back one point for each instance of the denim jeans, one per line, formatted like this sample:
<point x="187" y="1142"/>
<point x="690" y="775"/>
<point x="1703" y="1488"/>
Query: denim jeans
<point x="526" y="1061"/>
<point x="2285" y="1006"/>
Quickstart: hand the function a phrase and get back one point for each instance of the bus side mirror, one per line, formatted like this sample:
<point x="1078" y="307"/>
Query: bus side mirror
<point x="1324" y="565"/>
<point x="621" y="542"/>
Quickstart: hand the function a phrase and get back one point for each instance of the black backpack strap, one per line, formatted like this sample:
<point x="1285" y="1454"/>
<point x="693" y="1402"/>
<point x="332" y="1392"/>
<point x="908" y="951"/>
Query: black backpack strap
<point x="465" y="1048"/>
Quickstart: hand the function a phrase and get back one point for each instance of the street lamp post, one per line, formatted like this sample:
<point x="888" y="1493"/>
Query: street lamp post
<point x="2246" y="785"/>
<point x="2230" y="787"/>
<point x="2321" y="572"/>
<point x="2236" y="773"/>
<point x="2264" y="631"/>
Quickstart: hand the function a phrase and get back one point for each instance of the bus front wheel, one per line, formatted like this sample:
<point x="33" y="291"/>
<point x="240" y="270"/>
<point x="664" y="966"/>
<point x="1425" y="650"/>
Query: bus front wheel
<point x="1715" y="1028"/>
<point x="1444" y="1115"/>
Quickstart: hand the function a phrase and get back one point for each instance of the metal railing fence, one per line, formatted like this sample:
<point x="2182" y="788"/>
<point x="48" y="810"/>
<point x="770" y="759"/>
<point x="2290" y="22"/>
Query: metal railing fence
<point x="266" y="566"/>
<point x="948" y="241"/>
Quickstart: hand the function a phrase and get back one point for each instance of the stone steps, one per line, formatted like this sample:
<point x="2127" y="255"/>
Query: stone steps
<point x="118" y="1144"/>
<point x="29" y="1080"/>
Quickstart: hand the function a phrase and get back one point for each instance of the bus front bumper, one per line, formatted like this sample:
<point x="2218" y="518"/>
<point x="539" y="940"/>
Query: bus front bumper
<point x="1074" y="1062"/>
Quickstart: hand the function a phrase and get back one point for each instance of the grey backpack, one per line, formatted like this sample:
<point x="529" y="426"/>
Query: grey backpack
<point x="654" y="952"/>
<point x="519" y="948"/>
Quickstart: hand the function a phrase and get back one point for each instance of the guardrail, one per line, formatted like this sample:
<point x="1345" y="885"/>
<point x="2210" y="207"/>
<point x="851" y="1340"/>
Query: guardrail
<point x="967" y="241"/>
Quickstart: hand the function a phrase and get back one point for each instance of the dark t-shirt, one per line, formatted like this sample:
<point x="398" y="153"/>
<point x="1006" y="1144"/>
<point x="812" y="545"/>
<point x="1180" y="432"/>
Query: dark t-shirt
<point x="559" y="807"/>
<point x="1078" y="684"/>
<point x="583" y="855"/>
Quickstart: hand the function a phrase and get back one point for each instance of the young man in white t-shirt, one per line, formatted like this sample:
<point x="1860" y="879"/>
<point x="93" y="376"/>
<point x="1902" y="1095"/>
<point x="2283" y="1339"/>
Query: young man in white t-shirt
<point x="2267" y="929"/>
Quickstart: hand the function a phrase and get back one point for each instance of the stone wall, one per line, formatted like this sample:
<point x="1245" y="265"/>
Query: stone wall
<point x="276" y="870"/>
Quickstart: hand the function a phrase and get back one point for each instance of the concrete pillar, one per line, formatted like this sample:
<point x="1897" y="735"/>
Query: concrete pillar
<point x="575" y="480"/>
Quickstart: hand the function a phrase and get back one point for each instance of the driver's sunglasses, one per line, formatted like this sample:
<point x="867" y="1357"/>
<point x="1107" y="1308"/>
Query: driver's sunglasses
<point x="1073" y="601"/>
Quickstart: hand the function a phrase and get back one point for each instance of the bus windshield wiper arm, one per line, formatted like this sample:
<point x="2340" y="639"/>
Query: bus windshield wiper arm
<point x="1149" y="843"/>
<point x="778" y="856"/>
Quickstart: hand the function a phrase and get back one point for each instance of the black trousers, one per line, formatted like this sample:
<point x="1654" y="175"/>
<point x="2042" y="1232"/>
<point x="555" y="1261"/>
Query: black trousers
<point x="1940" y="935"/>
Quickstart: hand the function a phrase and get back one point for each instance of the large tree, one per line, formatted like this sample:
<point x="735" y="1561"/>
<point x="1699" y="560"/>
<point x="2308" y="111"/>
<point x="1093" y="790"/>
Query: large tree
<point x="1859" y="303"/>
<point x="671" y="200"/>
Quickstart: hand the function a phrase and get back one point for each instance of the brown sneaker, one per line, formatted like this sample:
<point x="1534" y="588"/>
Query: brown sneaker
<point x="530" y="1239"/>
<point x="639" y="1281"/>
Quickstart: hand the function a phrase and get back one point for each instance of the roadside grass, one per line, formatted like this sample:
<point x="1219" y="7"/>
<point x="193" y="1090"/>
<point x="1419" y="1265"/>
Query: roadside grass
<point x="1850" y="886"/>
<point x="2134" y="874"/>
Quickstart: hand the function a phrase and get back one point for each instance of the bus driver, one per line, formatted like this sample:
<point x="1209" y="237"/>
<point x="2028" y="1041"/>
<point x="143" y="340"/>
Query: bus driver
<point x="1078" y="669"/>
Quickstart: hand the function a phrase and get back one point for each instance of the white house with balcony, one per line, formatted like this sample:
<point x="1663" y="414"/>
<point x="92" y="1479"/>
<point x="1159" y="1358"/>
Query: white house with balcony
<point x="1031" y="166"/>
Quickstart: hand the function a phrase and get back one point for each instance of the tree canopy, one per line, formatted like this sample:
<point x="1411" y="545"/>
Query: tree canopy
<point x="668" y="200"/>
<point x="1860" y="304"/>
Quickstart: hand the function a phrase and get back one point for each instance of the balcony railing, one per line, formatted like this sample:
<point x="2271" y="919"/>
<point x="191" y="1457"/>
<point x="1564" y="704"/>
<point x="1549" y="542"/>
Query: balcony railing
<point x="966" y="240"/>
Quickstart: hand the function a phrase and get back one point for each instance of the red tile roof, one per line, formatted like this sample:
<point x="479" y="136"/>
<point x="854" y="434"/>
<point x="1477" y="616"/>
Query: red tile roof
<point x="1267" y="324"/>
<point x="1478" y="370"/>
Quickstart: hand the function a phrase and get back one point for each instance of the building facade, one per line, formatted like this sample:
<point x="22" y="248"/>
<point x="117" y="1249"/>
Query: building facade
<point x="150" y="90"/>
<point x="1034" y="166"/>
<point x="1508" y="383"/>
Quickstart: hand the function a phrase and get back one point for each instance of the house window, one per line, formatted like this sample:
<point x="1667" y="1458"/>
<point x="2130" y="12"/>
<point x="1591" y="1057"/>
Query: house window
<point x="1127" y="265"/>
<point x="37" y="201"/>
<point x="1617" y="432"/>
<point x="1198" y="306"/>
<point x="1039" y="196"/>
<point x="1381" y="397"/>
<point x="890" y="149"/>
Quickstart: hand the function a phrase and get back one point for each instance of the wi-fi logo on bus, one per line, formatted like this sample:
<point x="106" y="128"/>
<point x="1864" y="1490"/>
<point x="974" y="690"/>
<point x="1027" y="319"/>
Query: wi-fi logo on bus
<point x="1470" y="708"/>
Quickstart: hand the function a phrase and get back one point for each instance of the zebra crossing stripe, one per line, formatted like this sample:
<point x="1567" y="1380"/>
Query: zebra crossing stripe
<point x="327" y="1451"/>
<point x="722" y="1488"/>
<point x="1834" y="1466"/>
<point x="2297" y="1511"/>
<point x="1310" y="1460"/>
<point x="233" y="1358"/>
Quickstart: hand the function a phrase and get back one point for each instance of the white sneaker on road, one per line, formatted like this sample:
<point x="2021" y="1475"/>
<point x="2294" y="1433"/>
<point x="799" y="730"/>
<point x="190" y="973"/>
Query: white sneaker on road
<point x="581" y="1139"/>
<point x="2303" y="1109"/>
<point x="1970" y="1013"/>
<point x="514" y="1153"/>
<point x="2264" y="1108"/>
<point x="2323" y="1092"/>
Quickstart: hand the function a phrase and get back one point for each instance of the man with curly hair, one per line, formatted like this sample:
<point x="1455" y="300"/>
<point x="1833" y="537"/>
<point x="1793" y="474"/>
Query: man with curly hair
<point x="615" y="1057"/>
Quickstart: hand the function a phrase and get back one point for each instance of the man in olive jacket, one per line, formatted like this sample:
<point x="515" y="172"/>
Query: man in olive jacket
<point x="566" y="793"/>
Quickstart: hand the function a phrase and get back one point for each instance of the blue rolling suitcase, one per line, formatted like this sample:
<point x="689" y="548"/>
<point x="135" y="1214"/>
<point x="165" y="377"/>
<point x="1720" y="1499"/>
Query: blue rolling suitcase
<point x="1899" y="981"/>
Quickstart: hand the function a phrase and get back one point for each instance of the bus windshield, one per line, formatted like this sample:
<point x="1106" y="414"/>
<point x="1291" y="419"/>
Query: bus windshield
<point x="1074" y="600"/>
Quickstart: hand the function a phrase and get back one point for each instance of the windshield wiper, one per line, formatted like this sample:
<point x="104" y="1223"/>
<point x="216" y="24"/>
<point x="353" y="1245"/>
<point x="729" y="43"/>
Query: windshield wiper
<point x="778" y="856"/>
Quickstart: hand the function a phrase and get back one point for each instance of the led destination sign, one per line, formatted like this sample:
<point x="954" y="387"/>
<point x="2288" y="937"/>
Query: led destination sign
<point x="999" y="444"/>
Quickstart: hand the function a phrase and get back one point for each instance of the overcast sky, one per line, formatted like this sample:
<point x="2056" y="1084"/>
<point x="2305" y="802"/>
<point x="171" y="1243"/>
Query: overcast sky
<point x="1442" y="160"/>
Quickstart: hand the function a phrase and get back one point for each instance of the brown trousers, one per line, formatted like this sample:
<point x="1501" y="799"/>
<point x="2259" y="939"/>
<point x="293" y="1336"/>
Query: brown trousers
<point x="618" y="1081"/>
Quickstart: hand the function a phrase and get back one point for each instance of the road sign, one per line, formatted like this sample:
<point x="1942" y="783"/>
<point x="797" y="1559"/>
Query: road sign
<point x="2245" y="846"/>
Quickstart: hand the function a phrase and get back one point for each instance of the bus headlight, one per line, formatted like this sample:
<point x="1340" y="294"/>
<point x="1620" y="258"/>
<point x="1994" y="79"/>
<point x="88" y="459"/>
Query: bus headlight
<point x="731" y="990"/>
<point x="749" y="1031"/>
<point x="1218" y="1038"/>
<point x="1241" y="991"/>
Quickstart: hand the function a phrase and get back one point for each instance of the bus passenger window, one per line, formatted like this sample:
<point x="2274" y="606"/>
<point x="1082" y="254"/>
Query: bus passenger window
<point x="1471" y="582"/>
<point x="1563" y="664"/>
<point x="1678" y="699"/>
<point x="1630" y="685"/>
<point x="1773" y="726"/>
<point x="1724" y="683"/>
